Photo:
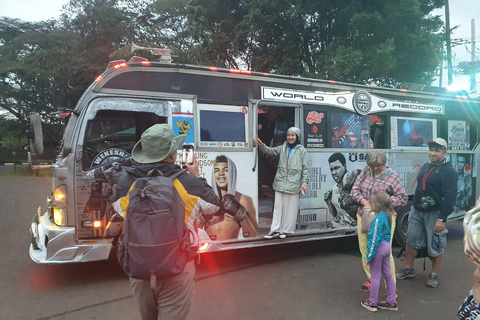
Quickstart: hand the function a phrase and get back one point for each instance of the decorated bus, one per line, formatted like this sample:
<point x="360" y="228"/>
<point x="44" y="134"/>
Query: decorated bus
<point x="221" y="112"/>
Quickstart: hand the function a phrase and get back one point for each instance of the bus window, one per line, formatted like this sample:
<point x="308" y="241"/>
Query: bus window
<point x="350" y="130"/>
<point x="116" y="131"/>
<point x="378" y="132"/>
<point x="267" y="120"/>
<point x="412" y="133"/>
<point x="223" y="126"/>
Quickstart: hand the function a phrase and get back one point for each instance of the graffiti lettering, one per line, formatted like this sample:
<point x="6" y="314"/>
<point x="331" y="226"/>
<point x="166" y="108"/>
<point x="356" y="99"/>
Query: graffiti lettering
<point x="416" y="178"/>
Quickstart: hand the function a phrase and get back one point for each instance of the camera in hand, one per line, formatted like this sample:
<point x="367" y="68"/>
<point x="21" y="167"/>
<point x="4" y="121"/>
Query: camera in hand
<point x="427" y="202"/>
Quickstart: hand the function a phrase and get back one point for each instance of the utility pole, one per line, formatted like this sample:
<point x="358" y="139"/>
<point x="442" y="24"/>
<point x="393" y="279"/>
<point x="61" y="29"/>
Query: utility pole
<point x="449" y="47"/>
<point x="472" y="76"/>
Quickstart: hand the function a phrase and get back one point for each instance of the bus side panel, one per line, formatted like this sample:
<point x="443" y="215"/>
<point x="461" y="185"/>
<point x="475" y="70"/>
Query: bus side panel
<point x="321" y="205"/>
<point x="231" y="173"/>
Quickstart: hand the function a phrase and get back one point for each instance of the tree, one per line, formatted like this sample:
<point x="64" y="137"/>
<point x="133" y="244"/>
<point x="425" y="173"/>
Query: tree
<point x="103" y="27"/>
<point x="46" y="66"/>
<point x="384" y="42"/>
<point x="32" y="72"/>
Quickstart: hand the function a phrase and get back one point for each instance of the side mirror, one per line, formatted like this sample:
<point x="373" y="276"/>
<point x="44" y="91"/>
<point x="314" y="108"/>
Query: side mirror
<point x="35" y="134"/>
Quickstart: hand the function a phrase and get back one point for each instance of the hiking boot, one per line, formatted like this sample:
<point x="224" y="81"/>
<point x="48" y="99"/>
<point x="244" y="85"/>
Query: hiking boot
<point x="282" y="235"/>
<point x="432" y="281"/>
<point x="365" y="287"/>
<point x="405" y="273"/>
<point x="385" y="305"/>
<point x="369" y="305"/>
<point x="271" y="235"/>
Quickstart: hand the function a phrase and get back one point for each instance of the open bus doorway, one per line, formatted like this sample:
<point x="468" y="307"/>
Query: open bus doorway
<point x="273" y="122"/>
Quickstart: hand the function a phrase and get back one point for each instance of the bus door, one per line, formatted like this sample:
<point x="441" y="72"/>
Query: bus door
<point x="110" y="128"/>
<point x="273" y="121"/>
<point x="224" y="152"/>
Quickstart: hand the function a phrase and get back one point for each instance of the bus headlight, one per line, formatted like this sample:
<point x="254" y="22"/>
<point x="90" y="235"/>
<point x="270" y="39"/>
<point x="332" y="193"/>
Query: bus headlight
<point x="59" y="205"/>
<point x="58" y="216"/>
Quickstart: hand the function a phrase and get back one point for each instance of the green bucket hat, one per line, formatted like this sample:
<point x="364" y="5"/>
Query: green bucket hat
<point x="156" y="144"/>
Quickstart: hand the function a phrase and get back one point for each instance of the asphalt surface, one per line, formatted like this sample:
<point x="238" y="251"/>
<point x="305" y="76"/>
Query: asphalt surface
<point x="316" y="280"/>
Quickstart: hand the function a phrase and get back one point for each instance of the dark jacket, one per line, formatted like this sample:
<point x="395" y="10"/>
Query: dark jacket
<point x="440" y="184"/>
<point x="202" y="198"/>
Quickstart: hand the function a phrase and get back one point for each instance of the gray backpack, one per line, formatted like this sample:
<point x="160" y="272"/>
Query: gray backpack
<point x="156" y="241"/>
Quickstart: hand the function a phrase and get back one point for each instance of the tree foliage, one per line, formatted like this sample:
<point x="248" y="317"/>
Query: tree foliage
<point x="385" y="42"/>
<point x="46" y="66"/>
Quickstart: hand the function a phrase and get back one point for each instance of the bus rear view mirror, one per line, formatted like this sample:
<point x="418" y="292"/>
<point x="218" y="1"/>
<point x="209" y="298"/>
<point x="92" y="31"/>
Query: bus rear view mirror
<point x="35" y="134"/>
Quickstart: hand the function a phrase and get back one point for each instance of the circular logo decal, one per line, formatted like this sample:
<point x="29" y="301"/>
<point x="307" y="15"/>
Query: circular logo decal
<point x="362" y="102"/>
<point x="109" y="155"/>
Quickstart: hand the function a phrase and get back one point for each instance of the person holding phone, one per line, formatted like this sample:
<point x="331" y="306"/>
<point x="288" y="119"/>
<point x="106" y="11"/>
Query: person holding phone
<point x="238" y="215"/>
<point x="291" y="179"/>
<point x="187" y="155"/>
<point x="157" y="150"/>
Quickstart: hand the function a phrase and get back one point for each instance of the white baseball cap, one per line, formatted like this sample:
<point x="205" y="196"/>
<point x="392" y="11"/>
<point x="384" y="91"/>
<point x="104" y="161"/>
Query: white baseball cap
<point x="439" y="141"/>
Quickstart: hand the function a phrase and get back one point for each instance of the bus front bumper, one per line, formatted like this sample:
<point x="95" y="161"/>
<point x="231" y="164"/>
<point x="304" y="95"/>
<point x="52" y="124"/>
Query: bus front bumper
<point x="51" y="244"/>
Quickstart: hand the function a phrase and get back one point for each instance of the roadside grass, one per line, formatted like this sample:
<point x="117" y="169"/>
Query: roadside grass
<point x="24" y="171"/>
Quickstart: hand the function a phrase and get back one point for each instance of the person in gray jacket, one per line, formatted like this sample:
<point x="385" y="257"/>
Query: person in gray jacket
<point x="291" y="179"/>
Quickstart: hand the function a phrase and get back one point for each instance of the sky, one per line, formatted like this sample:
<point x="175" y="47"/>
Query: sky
<point x="461" y="14"/>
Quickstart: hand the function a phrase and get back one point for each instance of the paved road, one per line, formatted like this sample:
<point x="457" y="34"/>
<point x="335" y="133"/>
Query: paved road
<point x="317" y="280"/>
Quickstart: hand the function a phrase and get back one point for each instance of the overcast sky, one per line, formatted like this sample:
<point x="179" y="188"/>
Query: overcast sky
<point x="461" y="14"/>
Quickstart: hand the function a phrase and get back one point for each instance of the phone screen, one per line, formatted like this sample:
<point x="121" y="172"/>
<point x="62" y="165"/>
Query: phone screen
<point x="187" y="154"/>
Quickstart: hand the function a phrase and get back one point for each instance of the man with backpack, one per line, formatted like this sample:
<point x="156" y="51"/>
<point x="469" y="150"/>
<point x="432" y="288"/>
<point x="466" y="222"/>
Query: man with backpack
<point x="164" y="290"/>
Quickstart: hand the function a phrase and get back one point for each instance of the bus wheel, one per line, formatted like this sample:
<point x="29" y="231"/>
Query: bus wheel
<point x="400" y="234"/>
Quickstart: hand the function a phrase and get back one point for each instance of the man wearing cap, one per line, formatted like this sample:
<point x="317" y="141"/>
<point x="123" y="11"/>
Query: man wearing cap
<point x="157" y="149"/>
<point x="433" y="201"/>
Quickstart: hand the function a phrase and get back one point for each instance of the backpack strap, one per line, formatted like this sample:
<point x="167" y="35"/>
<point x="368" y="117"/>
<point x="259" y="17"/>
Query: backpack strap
<point x="154" y="173"/>
<point x="153" y="282"/>
<point x="176" y="175"/>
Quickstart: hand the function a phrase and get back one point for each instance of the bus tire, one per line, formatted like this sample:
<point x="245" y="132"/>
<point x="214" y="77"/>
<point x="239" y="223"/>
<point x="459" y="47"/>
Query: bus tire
<point x="400" y="234"/>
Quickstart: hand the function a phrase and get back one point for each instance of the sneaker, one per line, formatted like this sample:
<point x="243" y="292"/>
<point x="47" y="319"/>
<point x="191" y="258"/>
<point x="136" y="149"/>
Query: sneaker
<point x="369" y="305"/>
<point x="405" y="273"/>
<point x="396" y="295"/>
<point x="365" y="287"/>
<point x="432" y="281"/>
<point x="385" y="305"/>
<point x="271" y="235"/>
<point x="283" y="235"/>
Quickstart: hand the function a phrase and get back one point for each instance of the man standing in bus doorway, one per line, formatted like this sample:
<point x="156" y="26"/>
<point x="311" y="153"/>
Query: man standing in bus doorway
<point x="344" y="181"/>
<point x="157" y="149"/>
<point x="433" y="201"/>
